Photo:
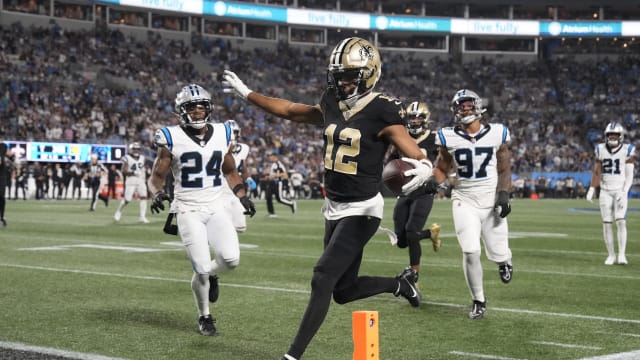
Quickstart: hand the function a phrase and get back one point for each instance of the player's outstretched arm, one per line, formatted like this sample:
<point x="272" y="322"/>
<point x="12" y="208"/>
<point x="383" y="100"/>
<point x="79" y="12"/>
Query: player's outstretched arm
<point x="283" y="108"/>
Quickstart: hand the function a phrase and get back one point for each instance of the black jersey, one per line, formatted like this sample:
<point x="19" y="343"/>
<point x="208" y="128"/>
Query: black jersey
<point x="427" y="143"/>
<point x="354" y="152"/>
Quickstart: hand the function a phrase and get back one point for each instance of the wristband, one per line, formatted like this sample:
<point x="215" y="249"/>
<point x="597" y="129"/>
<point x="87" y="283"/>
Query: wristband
<point x="237" y="188"/>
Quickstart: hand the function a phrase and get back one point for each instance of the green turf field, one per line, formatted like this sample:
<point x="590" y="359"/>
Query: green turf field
<point x="76" y="281"/>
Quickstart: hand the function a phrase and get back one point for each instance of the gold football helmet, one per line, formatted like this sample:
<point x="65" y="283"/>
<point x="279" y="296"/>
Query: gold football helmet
<point x="417" y="118"/>
<point x="353" y="61"/>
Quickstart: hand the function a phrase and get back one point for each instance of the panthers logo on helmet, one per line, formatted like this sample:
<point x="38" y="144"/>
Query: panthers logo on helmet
<point x="457" y="106"/>
<point x="190" y="99"/>
<point x="614" y="134"/>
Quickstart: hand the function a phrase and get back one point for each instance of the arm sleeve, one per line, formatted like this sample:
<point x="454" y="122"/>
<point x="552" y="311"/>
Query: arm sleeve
<point x="628" y="179"/>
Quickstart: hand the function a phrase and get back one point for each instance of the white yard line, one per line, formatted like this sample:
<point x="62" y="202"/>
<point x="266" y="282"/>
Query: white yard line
<point x="268" y="288"/>
<point x="631" y="355"/>
<point x="53" y="352"/>
<point x="570" y="346"/>
<point x="482" y="356"/>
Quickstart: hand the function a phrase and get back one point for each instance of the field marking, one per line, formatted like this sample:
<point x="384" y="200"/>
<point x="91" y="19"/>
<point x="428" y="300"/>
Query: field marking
<point x="482" y="356"/>
<point x="630" y="355"/>
<point x="297" y="291"/>
<point x="570" y="346"/>
<point x="54" y="352"/>
<point x="618" y="334"/>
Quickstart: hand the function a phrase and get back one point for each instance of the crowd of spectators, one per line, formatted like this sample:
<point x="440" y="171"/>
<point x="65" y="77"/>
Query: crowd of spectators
<point x="100" y="86"/>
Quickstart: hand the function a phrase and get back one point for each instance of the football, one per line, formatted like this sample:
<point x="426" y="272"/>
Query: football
<point x="393" y="175"/>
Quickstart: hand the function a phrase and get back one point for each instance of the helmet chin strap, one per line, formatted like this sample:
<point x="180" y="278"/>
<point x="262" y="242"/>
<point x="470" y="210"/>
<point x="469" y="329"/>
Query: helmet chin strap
<point x="197" y="125"/>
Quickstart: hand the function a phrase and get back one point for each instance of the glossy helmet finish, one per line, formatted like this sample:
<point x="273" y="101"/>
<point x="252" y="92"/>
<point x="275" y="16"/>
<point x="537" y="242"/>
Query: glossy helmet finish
<point x="353" y="59"/>
<point x="614" y="128"/>
<point x="235" y="128"/>
<point x="457" y="107"/>
<point x="191" y="97"/>
<point x="135" y="149"/>
<point x="417" y="118"/>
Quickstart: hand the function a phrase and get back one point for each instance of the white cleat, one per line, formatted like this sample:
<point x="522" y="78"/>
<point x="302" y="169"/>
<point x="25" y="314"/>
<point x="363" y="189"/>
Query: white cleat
<point x="117" y="216"/>
<point x="610" y="260"/>
<point x="143" y="220"/>
<point x="393" y="238"/>
<point x="622" y="260"/>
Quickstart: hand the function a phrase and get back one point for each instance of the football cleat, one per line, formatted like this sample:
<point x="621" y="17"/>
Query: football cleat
<point x="478" y="308"/>
<point x="435" y="236"/>
<point x="143" y="220"/>
<point x="4" y="222"/>
<point x="214" y="289"/>
<point x="506" y="272"/>
<point x="294" y="207"/>
<point x="407" y="287"/>
<point x="393" y="238"/>
<point x="117" y="216"/>
<point x="610" y="260"/>
<point x="207" y="326"/>
<point x="622" y="260"/>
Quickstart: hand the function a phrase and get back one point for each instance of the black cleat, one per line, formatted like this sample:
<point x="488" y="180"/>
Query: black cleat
<point x="207" y="326"/>
<point x="4" y="222"/>
<point x="214" y="290"/>
<point x="478" y="308"/>
<point x="506" y="272"/>
<point x="407" y="287"/>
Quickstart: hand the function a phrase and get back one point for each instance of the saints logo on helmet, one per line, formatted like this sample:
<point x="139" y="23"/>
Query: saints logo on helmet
<point x="613" y="134"/>
<point x="417" y="118"/>
<point x="460" y="113"/>
<point x="189" y="100"/>
<point x="354" y="61"/>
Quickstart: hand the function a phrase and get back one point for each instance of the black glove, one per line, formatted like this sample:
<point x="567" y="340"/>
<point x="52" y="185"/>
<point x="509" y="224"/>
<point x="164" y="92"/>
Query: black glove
<point x="502" y="204"/>
<point x="249" y="208"/>
<point x="431" y="186"/>
<point x="157" y="204"/>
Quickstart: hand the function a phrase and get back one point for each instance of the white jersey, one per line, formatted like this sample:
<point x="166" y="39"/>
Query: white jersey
<point x="196" y="165"/>
<point x="240" y="153"/>
<point x="613" y="165"/>
<point x="137" y="167"/>
<point x="476" y="162"/>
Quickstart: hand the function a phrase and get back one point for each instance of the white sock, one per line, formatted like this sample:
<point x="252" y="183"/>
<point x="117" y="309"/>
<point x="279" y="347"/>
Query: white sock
<point x="143" y="208"/>
<point x="622" y="237"/>
<point x="473" y="273"/>
<point x="121" y="206"/>
<point x="200" y="288"/>
<point x="607" y="231"/>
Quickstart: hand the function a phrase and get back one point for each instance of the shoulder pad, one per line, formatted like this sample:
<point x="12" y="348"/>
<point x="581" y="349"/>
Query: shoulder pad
<point x="160" y="138"/>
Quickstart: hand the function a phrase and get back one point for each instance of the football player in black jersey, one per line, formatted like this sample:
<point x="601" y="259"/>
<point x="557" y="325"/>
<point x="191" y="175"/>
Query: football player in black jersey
<point x="359" y="125"/>
<point x="6" y="162"/>
<point x="411" y="212"/>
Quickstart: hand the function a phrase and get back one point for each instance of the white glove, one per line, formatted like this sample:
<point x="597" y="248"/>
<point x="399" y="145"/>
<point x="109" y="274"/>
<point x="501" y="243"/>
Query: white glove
<point x="232" y="83"/>
<point x="590" y="193"/>
<point x="421" y="173"/>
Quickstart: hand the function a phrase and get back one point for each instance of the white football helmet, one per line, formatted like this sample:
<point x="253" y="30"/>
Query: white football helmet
<point x="235" y="128"/>
<point x="190" y="98"/>
<point x="614" y="134"/>
<point x="135" y="149"/>
<point x="417" y="118"/>
<point x="460" y="114"/>
<point x="353" y="60"/>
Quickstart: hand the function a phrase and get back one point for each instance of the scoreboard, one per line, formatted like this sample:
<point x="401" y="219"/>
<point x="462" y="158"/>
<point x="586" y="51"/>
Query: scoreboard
<point x="66" y="152"/>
